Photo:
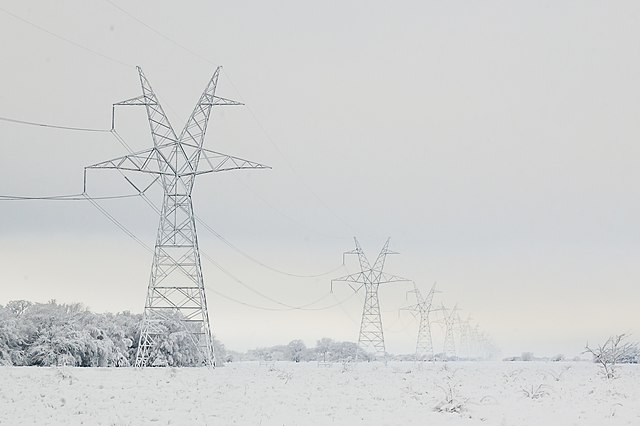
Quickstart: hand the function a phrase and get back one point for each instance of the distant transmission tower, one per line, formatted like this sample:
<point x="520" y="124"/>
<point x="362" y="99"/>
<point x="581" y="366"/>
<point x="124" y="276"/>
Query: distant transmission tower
<point x="370" y="277"/>
<point x="176" y="286"/>
<point x="449" y="318"/>
<point x="464" y="330"/>
<point x="422" y="309"/>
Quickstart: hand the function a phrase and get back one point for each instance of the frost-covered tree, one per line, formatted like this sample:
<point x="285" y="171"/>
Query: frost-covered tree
<point x="297" y="350"/>
<point x="69" y="334"/>
<point x="323" y="348"/>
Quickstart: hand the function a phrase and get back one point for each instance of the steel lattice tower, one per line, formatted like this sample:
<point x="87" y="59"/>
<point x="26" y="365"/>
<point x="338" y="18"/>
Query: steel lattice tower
<point x="176" y="287"/>
<point x="422" y="309"/>
<point x="449" y="319"/>
<point x="370" y="277"/>
<point x="465" y="336"/>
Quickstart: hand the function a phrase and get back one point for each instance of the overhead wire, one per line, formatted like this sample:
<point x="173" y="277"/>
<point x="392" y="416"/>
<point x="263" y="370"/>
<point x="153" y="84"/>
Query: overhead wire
<point x="157" y="32"/>
<point x="286" y="216"/>
<point x="54" y="126"/>
<point x="253" y="259"/>
<point x="119" y="224"/>
<point x="69" y="41"/>
<point x="299" y="179"/>
<point x="72" y="197"/>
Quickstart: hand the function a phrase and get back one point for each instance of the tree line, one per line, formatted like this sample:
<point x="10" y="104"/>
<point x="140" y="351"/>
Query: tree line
<point x="48" y="334"/>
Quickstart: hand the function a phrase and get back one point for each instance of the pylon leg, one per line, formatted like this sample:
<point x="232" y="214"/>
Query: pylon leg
<point x="371" y="333"/>
<point x="176" y="287"/>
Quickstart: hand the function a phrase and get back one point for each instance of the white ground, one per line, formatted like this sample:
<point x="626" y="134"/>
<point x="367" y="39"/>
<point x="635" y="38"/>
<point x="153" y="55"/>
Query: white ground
<point x="500" y="393"/>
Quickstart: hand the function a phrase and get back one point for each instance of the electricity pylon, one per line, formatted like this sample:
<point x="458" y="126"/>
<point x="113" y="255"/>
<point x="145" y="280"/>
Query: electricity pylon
<point x="422" y="309"/>
<point x="464" y="330"/>
<point x="176" y="286"/>
<point x="370" y="277"/>
<point x="449" y="319"/>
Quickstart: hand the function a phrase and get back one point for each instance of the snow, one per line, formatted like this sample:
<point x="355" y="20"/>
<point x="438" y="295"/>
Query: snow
<point x="402" y="393"/>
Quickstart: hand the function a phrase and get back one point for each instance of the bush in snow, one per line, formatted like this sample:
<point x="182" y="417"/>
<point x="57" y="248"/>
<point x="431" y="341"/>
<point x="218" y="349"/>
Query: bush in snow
<point x="613" y="352"/>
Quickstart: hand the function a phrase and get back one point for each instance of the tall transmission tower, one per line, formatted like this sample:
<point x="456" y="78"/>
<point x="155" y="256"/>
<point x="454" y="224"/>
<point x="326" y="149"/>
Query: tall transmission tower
<point x="370" y="277"/>
<point x="176" y="287"/>
<point x="422" y="309"/>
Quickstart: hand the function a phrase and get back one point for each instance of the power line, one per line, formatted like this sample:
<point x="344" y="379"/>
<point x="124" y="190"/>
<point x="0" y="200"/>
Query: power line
<point x="69" y="41"/>
<point x="72" y="197"/>
<point x="289" y="165"/>
<point x="288" y="307"/>
<point x="53" y="126"/>
<point x="119" y="225"/>
<point x="157" y="32"/>
<point x="253" y="259"/>
<point x="286" y="216"/>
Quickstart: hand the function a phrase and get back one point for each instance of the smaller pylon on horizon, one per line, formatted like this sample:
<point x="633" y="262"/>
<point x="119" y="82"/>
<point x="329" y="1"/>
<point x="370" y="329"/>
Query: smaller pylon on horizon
<point x="421" y="310"/>
<point x="449" y="319"/>
<point x="370" y="277"/>
<point x="464" y="331"/>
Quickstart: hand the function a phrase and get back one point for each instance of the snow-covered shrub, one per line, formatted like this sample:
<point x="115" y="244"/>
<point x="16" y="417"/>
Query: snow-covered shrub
<point x="297" y="350"/>
<point x="613" y="352"/>
<point x="220" y="352"/>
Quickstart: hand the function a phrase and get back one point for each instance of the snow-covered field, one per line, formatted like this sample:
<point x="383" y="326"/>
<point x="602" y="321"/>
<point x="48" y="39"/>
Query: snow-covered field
<point x="500" y="393"/>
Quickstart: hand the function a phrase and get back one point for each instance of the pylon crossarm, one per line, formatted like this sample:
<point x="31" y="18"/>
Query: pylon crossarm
<point x="387" y="278"/>
<point x="138" y="100"/>
<point x="358" y="277"/>
<point x="413" y="309"/>
<point x="211" y="161"/>
<point x="410" y="308"/>
<point x="142" y="161"/>
<point x="218" y="101"/>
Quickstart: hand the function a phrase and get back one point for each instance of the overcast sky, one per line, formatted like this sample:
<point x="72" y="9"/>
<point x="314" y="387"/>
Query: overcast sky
<point x="494" y="141"/>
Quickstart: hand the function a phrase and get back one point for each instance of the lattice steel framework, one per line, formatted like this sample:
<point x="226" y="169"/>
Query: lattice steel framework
<point x="370" y="277"/>
<point x="421" y="310"/>
<point x="176" y="286"/>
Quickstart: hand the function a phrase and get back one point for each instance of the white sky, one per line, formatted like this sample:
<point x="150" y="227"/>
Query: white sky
<point x="494" y="141"/>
